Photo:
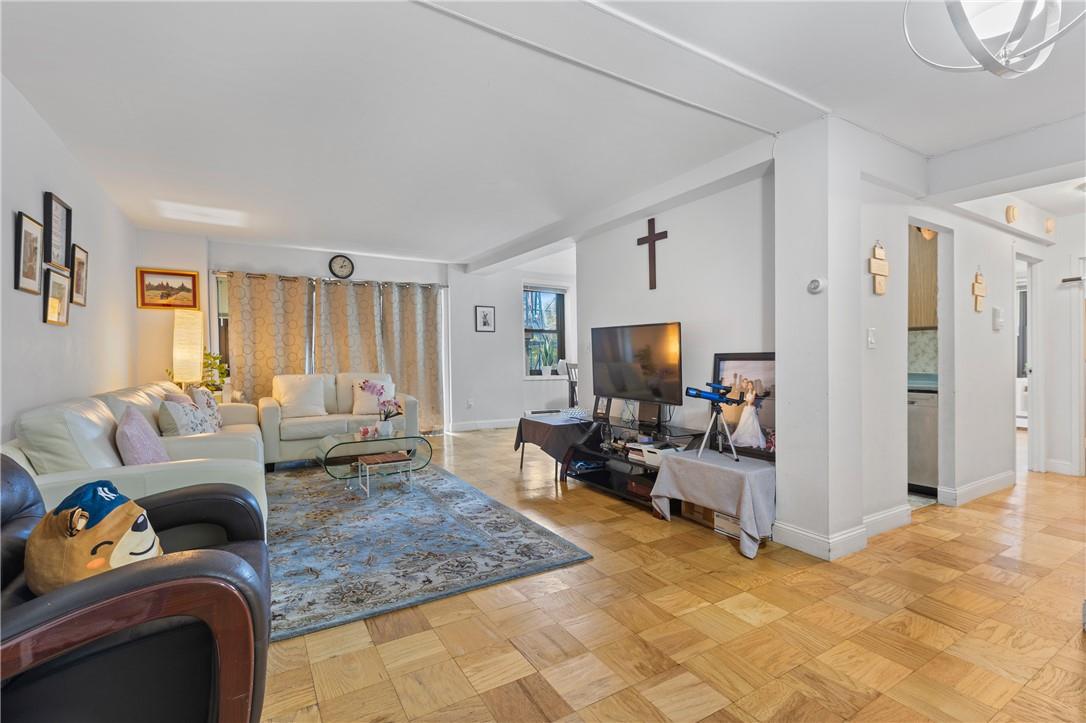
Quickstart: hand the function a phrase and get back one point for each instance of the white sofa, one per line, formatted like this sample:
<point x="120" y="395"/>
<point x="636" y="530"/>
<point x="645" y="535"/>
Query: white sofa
<point x="66" y="444"/>
<point x="296" y="438"/>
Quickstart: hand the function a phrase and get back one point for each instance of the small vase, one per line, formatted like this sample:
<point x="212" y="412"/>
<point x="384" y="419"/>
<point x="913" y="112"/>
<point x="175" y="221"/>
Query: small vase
<point x="384" y="427"/>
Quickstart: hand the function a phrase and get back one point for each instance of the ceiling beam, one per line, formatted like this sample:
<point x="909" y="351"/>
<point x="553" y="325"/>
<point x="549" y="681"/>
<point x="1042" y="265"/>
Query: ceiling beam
<point x="584" y="65"/>
<point x="747" y="163"/>
<point x="1037" y="157"/>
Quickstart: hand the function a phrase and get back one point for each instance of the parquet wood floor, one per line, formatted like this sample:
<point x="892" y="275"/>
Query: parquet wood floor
<point x="968" y="614"/>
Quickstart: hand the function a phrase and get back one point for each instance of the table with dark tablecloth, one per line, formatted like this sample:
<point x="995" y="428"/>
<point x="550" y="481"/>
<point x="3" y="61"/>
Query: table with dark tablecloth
<point x="553" y="433"/>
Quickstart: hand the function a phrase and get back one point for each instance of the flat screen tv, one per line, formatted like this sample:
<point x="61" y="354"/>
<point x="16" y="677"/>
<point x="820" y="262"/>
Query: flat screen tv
<point x="642" y="362"/>
<point x="750" y="375"/>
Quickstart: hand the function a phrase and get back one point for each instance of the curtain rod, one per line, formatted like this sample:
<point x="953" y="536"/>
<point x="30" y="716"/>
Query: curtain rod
<point x="327" y="280"/>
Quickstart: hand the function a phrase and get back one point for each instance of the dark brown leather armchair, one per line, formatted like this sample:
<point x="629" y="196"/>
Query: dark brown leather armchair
<point x="182" y="637"/>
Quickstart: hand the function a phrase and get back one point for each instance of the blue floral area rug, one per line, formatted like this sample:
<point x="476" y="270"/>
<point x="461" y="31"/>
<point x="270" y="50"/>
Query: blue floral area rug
<point x="337" y="556"/>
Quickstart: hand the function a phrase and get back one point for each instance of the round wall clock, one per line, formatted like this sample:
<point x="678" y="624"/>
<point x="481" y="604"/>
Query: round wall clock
<point x="341" y="266"/>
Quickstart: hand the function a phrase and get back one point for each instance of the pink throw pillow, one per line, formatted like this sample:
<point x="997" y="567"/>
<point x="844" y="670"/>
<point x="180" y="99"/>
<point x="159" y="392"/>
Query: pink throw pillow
<point x="137" y="440"/>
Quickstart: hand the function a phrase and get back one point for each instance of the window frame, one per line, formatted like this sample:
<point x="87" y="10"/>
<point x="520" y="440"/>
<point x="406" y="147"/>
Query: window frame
<point x="560" y="325"/>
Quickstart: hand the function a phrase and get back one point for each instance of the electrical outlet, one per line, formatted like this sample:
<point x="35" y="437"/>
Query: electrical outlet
<point x="471" y="403"/>
<point x="871" y="337"/>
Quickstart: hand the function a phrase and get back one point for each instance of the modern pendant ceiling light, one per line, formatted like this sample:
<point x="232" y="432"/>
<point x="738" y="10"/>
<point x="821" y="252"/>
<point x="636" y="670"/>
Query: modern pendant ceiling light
<point x="1008" y="38"/>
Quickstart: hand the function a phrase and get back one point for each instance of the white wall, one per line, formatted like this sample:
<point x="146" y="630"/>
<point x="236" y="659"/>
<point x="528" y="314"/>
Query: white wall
<point x="96" y="351"/>
<point x="1062" y="333"/>
<point x="154" y="327"/>
<point x="976" y="384"/>
<point x="885" y="368"/>
<point x="714" y="275"/>
<point x="488" y="387"/>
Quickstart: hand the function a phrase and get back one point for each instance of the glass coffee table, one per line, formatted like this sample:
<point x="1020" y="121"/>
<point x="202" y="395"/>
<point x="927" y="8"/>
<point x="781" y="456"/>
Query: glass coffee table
<point x="358" y="459"/>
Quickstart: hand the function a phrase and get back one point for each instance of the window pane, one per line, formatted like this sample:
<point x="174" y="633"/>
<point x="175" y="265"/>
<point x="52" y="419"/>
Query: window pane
<point x="541" y="310"/>
<point x="540" y="350"/>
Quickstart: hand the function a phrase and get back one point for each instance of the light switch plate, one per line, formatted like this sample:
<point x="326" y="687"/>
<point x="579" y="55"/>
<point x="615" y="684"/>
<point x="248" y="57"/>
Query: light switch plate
<point x="997" y="318"/>
<point x="870" y="337"/>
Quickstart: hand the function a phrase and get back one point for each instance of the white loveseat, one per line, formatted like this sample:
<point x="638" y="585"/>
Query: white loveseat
<point x="68" y="443"/>
<point x="296" y="438"/>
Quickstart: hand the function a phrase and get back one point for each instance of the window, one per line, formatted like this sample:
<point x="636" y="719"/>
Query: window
<point x="223" y="320"/>
<point x="544" y="330"/>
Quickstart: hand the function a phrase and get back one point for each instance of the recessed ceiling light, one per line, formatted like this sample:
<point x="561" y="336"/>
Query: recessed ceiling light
<point x="201" y="214"/>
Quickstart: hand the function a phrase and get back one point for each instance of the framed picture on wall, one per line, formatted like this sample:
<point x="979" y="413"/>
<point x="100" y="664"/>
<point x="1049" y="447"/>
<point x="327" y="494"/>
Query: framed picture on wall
<point x="78" y="265"/>
<point x="58" y="231"/>
<point x="167" y="289"/>
<point x="29" y="236"/>
<point x="57" y="293"/>
<point x="484" y="318"/>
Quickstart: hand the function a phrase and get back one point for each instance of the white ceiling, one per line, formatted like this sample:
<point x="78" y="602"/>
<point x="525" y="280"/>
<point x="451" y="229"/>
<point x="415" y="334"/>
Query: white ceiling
<point x="1060" y="199"/>
<point x="390" y="128"/>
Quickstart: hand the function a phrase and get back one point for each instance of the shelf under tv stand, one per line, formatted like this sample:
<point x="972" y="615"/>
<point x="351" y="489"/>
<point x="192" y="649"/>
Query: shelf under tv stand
<point x="619" y="476"/>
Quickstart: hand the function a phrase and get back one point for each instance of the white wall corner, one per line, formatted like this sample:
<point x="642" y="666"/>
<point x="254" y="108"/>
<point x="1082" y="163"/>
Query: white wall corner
<point x="1060" y="466"/>
<point x="483" y="424"/>
<point x="888" y="519"/>
<point x="825" y="547"/>
<point x="960" y="495"/>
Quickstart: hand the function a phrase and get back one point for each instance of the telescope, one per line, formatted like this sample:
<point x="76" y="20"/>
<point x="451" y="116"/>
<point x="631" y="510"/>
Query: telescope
<point x="716" y="395"/>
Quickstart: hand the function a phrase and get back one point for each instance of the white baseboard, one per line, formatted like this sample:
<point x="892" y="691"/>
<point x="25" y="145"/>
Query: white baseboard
<point x="483" y="424"/>
<point x="827" y="548"/>
<point x="1059" y="466"/>
<point x="888" y="519"/>
<point x="954" y="496"/>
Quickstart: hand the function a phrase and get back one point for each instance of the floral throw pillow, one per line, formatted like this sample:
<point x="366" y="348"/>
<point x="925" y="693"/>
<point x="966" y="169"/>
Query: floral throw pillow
<point x="368" y="395"/>
<point x="205" y="401"/>
<point x="181" y="420"/>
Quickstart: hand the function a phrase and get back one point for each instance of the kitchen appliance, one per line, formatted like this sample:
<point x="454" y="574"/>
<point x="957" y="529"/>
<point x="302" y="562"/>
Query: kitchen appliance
<point x="924" y="442"/>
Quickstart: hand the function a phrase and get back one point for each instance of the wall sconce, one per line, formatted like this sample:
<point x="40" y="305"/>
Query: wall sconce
<point x="1050" y="225"/>
<point x="1011" y="213"/>
<point x="188" y="346"/>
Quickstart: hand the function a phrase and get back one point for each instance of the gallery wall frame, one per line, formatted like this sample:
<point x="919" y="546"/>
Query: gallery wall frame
<point x="29" y="239"/>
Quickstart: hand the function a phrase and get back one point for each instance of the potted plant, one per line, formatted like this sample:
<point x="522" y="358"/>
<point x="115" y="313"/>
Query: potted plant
<point x="388" y="408"/>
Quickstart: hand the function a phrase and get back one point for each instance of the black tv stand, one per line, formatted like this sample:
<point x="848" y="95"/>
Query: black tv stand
<point x="595" y="463"/>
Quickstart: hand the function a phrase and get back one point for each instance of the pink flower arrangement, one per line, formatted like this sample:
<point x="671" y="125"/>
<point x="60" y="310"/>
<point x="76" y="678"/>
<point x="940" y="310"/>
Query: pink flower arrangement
<point x="372" y="387"/>
<point x="389" y="408"/>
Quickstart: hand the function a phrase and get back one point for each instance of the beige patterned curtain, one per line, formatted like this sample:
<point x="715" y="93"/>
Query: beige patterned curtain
<point x="390" y="328"/>
<point x="348" y="316"/>
<point x="270" y="329"/>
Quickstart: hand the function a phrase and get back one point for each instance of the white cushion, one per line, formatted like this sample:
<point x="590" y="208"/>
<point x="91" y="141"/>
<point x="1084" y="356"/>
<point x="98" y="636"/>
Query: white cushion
<point x="299" y="395"/>
<point x="317" y="427"/>
<point x="345" y="382"/>
<point x="145" y="401"/>
<point x="366" y="403"/>
<point x="69" y="436"/>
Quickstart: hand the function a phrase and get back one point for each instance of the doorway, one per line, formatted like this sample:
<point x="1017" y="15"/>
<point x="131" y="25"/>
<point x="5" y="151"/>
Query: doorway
<point x="922" y="393"/>
<point x="1022" y="365"/>
<point x="1028" y="382"/>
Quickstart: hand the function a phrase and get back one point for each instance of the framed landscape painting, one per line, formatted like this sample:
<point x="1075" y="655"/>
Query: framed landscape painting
<point x="29" y="236"/>
<point x="167" y="289"/>
<point x="78" y="265"/>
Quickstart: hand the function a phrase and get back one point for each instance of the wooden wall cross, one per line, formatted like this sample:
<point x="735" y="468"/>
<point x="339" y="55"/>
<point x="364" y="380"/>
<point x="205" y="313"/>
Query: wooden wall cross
<point x="651" y="238"/>
<point x="980" y="290"/>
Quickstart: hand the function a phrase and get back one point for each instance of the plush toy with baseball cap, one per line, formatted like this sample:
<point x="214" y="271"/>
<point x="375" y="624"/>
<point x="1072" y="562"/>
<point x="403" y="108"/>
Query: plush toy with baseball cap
<point x="92" y="530"/>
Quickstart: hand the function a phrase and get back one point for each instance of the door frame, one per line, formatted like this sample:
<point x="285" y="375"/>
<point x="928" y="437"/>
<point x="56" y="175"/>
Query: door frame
<point x="1035" y="406"/>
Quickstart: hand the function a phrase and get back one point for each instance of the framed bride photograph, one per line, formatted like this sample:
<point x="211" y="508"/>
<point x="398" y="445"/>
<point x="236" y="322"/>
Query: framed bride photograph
<point x="753" y="380"/>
